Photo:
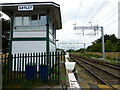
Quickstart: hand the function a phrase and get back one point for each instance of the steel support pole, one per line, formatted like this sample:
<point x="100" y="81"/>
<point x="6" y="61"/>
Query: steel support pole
<point x="84" y="47"/>
<point x="103" y="47"/>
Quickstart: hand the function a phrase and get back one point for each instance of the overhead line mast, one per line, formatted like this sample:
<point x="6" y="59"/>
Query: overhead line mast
<point x="95" y="28"/>
<point x="71" y="43"/>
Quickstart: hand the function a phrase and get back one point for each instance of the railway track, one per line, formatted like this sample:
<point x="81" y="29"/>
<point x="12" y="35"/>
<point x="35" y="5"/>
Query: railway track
<point x="106" y="73"/>
<point x="117" y="66"/>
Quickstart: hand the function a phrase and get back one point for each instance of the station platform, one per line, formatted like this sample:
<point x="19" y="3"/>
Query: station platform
<point x="88" y="86"/>
<point x="102" y="87"/>
<point x="47" y="87"/>
<point x="91" y="86"/>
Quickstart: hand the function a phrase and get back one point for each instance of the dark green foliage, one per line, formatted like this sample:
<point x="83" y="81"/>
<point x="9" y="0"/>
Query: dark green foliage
<point x="108" y="46"/>
<point x="118" y="46"/>
<point x="5" y="34"/>
<point x="82" y="50"/>
<point x="70" y="50"/>
<point x="112" y="44"/>
<point x="96" y="47"/>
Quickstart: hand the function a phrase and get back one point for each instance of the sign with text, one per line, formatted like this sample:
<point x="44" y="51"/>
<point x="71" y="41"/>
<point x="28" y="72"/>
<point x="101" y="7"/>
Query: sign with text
<point x="25" y="8"/>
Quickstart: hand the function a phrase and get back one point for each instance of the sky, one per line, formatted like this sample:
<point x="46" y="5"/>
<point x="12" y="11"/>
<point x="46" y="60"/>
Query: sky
<point x="83" y="13"/>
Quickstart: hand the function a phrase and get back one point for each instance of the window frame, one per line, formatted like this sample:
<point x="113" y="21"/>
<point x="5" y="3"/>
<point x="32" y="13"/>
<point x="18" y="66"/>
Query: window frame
<point x="30" y="22"/>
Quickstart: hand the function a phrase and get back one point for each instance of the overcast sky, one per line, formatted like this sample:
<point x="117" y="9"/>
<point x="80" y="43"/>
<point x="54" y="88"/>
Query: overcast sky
<point x="101" y="12"/>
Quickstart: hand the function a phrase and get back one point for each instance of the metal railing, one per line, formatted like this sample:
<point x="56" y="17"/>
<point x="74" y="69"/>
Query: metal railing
<point x="31" y="66"/>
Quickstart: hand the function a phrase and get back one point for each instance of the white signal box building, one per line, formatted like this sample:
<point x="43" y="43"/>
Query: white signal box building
<point x="33" y="26"/>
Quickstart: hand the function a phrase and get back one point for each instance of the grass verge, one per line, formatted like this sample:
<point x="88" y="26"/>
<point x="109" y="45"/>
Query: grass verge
<point x="111" y="60"/>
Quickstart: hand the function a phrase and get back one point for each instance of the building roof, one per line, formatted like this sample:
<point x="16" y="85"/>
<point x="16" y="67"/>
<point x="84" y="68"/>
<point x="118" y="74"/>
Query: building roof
<point x="7" y="8"/>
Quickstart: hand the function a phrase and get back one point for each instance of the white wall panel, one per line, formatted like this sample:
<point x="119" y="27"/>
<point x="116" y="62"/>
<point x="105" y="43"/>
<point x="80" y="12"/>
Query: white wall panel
<point x="52" y="47"/>
<point x="28" y="46"/>
<point x="50" y="36"/>
<point x="29" y="34"/>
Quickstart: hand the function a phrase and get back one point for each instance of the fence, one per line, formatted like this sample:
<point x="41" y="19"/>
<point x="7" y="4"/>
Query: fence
<point x="33" y="66"/>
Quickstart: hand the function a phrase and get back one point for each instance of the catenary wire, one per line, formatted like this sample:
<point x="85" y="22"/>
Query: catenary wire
<point x="100" y="8"/>
<point x="78" y="10"/>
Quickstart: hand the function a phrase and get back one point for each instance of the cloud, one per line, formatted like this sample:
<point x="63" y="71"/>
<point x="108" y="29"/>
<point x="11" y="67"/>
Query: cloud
<point x="89" y="8"/>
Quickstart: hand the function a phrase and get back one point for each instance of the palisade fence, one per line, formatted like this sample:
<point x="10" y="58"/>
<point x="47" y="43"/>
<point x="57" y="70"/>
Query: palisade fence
<point x="31" y="66"/>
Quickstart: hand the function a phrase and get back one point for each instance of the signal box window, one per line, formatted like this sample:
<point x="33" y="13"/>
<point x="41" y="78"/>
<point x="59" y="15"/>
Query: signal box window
<point x="34" y="22"/>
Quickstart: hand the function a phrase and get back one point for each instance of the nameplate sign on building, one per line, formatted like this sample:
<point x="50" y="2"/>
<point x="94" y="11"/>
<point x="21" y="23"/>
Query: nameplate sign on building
<point x="25" y="8"/>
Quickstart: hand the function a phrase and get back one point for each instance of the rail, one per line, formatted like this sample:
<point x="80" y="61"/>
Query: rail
<point x="98" y="77"/>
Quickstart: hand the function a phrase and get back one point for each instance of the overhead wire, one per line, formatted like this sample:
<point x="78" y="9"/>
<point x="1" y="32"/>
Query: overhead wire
<point x="113" y="22"/>
<point x="91" y="9"/>
<point x="108" y="15"/>
<point x="108" y="18"/>
<point x="99" y="9"/>
<point x="78" y="10"/>
<point x="95" y="10"/>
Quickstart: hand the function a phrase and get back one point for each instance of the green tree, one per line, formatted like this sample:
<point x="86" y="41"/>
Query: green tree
<point x="80" y="50"/>
<point x="70" y="50"/>
<point x="113" y="38"/>
<point x="5" y="34"/>
<point x="108" y="46"/>
<point x="111" y="44"/>
<point x="118" y="46"/>
<point x="115" y="47"/>
<point x="96" y="47"/>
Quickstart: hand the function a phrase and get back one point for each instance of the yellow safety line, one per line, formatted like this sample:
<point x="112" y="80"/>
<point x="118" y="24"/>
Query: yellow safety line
<point x="84" y="85"/>
<point x="104" y="87"/>
<point x="116" y="86"/>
